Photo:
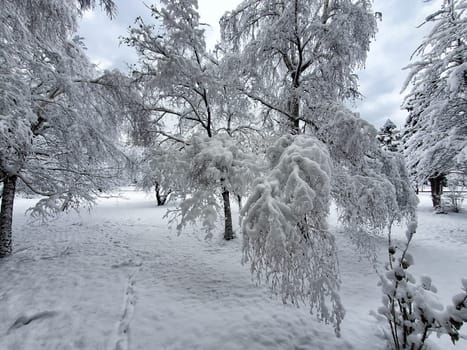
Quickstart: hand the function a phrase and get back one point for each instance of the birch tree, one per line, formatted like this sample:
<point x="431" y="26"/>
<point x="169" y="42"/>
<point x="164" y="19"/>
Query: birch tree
<point x="183" y="88"/>
<point x="299" y="56"/>
<point x="297" y="59"/>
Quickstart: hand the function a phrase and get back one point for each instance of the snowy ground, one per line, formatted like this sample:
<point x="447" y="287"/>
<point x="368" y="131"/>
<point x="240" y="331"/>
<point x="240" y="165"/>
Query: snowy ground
<point x="118" y="278"/>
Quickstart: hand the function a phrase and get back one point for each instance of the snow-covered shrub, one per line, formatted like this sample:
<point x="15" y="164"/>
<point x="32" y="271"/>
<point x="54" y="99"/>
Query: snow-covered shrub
<point x="410" y="309"/>
<point x="286" y="240"/>
<point x="455" y="196"/>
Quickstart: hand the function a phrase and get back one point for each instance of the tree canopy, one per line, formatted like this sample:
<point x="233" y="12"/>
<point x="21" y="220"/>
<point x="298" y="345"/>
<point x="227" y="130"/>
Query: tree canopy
<point x="297" y="60"/>
<point x="59" y="118"/>
<point x="435" y="137"/>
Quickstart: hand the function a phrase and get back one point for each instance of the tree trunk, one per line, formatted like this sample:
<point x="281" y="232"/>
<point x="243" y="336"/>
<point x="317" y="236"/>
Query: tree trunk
<point x="325" y="16"/>
<point x="436" y="184"/>
<point x="294" y="110"/>
<point x="160" y="196"/>
<point x="228" y="232"/>
<point x="6" y="215"/>
<point x="239" y="200"/>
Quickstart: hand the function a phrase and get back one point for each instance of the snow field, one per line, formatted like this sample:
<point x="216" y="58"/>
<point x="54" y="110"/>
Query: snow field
<point x="119" y="278"/>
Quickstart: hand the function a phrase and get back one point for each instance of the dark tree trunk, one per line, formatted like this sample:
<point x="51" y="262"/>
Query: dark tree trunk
<point x="228" y="232"/>
<point x="239" y="200"/>
<point x="436" y="184"/>
<point x="6" y="215"/>
<point x="294" y="120"/>
<point x="161" y="197"/>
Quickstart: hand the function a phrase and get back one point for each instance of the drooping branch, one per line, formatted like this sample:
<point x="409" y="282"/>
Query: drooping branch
<point x="35" y="190"/>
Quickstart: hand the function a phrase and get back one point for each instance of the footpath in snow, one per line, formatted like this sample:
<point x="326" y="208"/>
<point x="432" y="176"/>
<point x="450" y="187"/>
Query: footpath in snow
<point x="118" y="278"/>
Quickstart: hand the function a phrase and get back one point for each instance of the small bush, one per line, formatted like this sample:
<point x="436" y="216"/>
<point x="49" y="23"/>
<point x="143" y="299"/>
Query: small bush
<point x="410" y="309"/>
<point x="455" y="197"/>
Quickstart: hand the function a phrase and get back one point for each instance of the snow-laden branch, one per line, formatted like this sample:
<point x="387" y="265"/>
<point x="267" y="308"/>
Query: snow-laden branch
<point x="34" y="189"/>
<point x="286" y="240"/>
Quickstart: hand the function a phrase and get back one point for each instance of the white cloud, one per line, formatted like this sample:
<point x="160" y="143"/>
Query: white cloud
<point x="210" y="13"/>
<point x="101" y="62"/>
<point x="88" y="16"/>
<point x="383" y="77"/>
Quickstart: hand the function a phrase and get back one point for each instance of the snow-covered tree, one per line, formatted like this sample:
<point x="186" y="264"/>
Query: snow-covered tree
<point x="297" y="60"/>
<point x="217" y="167"/>
<point x="286" y="239"/>
<point x="299" y="56"/>
<point x="389" y="136"/>
<point x="176" y="74"/>
<point x="57" y="121"/>
<point x="435" y="135"/>
<point x="162" y="169"/>
<point x="184" y="85"/>
<point x="108" y="5"/>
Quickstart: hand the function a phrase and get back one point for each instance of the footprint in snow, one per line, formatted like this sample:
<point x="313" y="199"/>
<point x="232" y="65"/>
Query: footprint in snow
<point x="24" y="320"/>
<point x="122" y="339"/>
<point x="129" y="263"/>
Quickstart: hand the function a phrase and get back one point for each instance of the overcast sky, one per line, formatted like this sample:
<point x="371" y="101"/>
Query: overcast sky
<point x="380" y="81"/>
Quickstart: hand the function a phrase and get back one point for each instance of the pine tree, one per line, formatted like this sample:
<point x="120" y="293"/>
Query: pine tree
<point x="389" y="137"/>
<point x="435" y="134"/>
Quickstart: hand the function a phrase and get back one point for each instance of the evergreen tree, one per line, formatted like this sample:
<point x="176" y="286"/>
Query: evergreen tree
<point x="389" y="137"/>
<point x="435" y="134"/>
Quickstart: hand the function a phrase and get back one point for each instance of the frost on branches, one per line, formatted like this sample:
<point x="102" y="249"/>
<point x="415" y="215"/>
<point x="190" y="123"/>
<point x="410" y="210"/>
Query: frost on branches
<point x="162" y="169"/>
<point x="288" y="69"/>
<point x="371" y="187"/>
<point x="217" y="167"/>
<point x="457" y="184"/>
<point x="297" y="61"/>
<point x="297" y="57"/>
<point x="187" y="91"/>
<point x="286" y="240"/>
<point x="410" y="309"/>
<point x="435" y="136"/>
<point x="389" y="137"/>
<point x="57" y="117"/>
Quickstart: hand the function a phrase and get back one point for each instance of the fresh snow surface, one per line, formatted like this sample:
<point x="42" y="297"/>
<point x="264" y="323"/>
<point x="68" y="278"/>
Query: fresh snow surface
<point x="118" y="278"/>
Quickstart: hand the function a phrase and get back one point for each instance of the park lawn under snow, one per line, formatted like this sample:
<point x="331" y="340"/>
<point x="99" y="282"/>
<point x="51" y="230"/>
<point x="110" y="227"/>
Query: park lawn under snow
<point x="119" y="278"/>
